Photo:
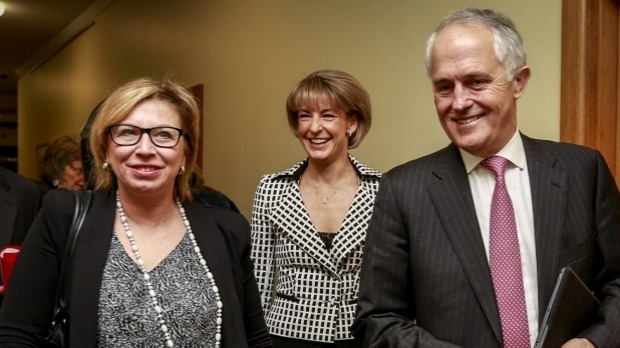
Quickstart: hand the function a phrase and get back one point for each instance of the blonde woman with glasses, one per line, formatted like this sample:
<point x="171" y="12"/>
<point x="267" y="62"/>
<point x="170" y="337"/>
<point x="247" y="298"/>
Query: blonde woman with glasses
<point x="151" y="268"/>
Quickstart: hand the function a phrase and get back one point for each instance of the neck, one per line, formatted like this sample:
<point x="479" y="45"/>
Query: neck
<point x="330" y="174"/>
<point x="148" y="211"/>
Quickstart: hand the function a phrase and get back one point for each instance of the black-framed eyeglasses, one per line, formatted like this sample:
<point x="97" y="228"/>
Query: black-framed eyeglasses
<point x="127" y="135"/>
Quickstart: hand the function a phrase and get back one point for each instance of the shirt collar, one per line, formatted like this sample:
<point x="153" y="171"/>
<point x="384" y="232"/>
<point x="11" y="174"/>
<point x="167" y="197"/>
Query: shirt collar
<point x="512" y="151"/>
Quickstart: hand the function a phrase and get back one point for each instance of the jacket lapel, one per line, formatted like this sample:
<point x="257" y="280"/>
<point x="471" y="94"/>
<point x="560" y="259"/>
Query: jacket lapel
<point x="217" y="253"/>
<point x="549" y="197"/>
<point x="353" y="229"/>
<point x="89" y="261"/>
<point x="290" y="218"/>
<point x="451" y="196"/>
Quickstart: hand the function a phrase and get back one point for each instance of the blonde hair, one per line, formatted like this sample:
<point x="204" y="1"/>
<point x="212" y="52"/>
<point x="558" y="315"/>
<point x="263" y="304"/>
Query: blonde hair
<point x="120" y="104"/>
<point x="342" y="89"/>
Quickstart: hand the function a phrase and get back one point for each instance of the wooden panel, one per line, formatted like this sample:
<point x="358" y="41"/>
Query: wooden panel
<point x="603" y="133"/>
<point x="198" y="92"/>
<point x="590" y="73"/>
<point x="617" y="170"/>
<point x="574" y="70"/>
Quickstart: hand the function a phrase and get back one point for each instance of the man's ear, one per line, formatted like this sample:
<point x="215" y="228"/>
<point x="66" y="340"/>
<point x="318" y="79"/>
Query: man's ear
<point x="520" y="81"/>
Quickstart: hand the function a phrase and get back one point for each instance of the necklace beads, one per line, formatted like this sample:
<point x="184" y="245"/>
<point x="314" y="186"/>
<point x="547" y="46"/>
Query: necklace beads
<point x="147" y="278"/>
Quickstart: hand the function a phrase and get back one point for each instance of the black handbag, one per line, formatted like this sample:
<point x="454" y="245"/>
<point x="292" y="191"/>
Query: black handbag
<point x="59" y="330"/>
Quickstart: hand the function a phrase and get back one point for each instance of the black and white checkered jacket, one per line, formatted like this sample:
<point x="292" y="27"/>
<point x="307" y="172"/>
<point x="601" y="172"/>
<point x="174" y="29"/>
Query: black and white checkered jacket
<point x="316" y="292"/>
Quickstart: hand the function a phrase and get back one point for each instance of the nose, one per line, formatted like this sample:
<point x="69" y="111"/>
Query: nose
<point x="462" y="98"/>
<point x="316" y="125"/>
<point x="144" y="144"/>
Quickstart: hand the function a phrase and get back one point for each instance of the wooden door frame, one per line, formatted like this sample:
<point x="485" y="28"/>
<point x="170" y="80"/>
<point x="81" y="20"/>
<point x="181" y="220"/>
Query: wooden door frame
<point x="589" y="89"/>
<point x="198" y="92"/>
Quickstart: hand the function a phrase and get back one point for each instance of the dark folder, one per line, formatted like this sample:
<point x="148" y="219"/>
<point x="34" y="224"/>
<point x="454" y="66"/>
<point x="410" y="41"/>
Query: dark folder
<point x="572" y="309"/>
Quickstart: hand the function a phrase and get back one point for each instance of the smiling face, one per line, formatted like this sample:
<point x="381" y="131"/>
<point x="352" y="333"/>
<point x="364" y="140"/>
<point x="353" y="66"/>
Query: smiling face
<point x="144" y="169"/>
<point x="475" y="101"/>
<point x="322" y="131"/>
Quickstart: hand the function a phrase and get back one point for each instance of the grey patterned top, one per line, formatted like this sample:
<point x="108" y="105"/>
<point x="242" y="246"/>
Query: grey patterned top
<point x="126" y="314"/>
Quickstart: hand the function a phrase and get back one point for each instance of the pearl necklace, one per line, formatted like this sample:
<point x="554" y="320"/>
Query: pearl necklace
<point x="147" y="277"/>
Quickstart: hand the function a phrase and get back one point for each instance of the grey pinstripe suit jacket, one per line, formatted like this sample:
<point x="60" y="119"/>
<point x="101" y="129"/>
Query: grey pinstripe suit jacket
<point x="425" y="260"/>
<point x="317" y="289"/>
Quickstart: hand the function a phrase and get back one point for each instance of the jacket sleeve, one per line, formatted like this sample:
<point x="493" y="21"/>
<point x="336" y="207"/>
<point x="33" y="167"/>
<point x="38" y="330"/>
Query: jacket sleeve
<point x="27" y="309"/>
<point x="263" y="244"/>
<point x="386" y="312"/>
<point x="605" y="333"/>
<point x="256" y="329"/>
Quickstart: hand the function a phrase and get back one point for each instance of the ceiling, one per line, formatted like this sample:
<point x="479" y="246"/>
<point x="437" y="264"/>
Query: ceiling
<point x="31" y="31"/>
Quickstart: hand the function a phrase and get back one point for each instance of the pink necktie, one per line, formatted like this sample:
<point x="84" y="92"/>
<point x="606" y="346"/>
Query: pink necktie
<point x="505" y="261"/>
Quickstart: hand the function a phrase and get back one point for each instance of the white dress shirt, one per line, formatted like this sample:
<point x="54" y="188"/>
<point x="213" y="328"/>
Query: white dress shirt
<point x="482" y="182"/>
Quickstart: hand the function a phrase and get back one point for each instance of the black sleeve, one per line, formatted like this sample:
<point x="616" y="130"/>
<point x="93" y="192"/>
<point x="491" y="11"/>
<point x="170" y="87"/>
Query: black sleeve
<point x="27" y="309"/>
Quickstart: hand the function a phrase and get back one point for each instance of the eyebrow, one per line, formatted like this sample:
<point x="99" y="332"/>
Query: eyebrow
<point x="468" y="76"/>
<point x="320" y="111"/>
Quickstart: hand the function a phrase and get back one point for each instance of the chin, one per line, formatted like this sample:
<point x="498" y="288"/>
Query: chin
<point x="315" y="159"/>
<point x="468" y="146"/>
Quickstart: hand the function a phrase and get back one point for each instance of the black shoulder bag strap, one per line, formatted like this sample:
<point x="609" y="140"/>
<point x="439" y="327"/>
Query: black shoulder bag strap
<point x="59" y="331"/>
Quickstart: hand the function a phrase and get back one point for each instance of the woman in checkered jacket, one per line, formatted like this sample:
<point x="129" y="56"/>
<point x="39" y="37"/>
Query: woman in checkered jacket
<point x="309" y="221"/>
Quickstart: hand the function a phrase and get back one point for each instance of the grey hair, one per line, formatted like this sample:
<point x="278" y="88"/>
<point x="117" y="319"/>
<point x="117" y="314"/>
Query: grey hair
<point x="507" y="42"/>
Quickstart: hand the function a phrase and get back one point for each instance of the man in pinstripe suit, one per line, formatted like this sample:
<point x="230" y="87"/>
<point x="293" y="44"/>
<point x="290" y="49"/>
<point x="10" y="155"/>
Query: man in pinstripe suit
<point x="426" y="280"/>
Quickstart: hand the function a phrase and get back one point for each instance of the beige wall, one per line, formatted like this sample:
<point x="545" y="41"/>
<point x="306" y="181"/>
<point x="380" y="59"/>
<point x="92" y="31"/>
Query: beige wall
<point x="248" y="54"/>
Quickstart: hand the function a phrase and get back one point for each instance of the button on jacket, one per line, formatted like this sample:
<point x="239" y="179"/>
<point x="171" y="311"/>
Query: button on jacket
<point x="316" y="292"/>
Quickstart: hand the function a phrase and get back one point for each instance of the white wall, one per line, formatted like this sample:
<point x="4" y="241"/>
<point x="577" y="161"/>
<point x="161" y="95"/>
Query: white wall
<point x="249" y="54"/>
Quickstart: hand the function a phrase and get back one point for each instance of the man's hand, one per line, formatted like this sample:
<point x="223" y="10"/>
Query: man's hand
<point x="579" y="343"/>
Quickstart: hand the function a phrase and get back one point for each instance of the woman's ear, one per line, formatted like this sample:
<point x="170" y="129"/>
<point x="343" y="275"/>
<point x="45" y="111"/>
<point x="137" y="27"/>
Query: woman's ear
<point x="351" y="125"/>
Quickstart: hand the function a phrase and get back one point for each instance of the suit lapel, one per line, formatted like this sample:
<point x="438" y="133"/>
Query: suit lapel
<point x="451" y="196"/>
<point x="451" y="193"/>
<point x="549" y="196"/>
<point x="290" y="218"/>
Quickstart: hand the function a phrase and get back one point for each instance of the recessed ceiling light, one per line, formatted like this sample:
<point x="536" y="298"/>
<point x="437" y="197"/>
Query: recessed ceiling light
<point x="1" y="9"/>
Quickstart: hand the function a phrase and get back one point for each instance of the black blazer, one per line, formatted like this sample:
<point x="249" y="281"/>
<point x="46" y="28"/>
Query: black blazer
<point x="223" y="236"/>
<point x="19" y="203"/>
<point x="425" y="259"/>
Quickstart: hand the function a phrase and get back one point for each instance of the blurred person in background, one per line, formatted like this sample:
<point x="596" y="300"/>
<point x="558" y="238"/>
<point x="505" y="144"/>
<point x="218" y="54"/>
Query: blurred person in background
<point x="62" y="164"/>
